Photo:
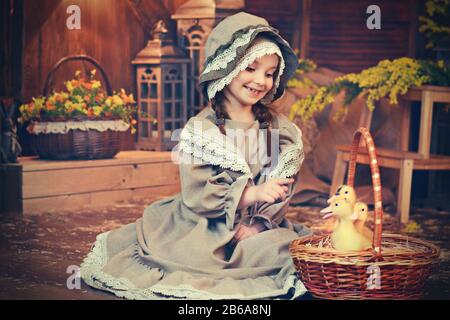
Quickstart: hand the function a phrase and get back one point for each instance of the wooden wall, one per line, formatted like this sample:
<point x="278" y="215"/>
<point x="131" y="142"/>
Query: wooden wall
<point x="111" y="32"/>
<point x="11" y="17"/>
<point x="335" y="33"/>
<point x="332" y="33"/>
<point x="285" y="15"/>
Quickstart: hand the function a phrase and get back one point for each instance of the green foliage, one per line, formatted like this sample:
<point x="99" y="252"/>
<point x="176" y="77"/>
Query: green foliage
<point x="436" y="24"/>
<point x="388" y="79"/>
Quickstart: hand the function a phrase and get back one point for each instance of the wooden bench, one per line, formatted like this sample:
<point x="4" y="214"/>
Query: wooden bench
<point x="35" y="186"/>
<point x="404" y="161"/>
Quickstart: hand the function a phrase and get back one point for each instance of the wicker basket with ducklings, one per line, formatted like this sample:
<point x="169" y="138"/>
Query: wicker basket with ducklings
<point x="353" y="262"/>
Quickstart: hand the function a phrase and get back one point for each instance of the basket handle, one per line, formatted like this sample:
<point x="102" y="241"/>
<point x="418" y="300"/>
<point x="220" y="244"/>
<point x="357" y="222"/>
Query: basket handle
<point x="82" y="57"/>
<point x="364" y="133"/>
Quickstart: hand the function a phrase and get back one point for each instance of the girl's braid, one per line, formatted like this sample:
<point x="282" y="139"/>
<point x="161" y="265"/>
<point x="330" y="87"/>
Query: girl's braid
<point x="262" y="114"/>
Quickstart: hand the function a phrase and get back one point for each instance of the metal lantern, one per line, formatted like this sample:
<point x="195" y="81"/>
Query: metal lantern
<point x="161" y="77"/>
<point x="195" y="20"/>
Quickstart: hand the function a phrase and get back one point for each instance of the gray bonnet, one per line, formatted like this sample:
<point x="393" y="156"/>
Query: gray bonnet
<point x="231" y="39"/>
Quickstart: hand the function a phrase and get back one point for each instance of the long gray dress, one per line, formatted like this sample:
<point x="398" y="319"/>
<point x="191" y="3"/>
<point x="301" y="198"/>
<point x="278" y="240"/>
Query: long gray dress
<point x="180" y="248"/>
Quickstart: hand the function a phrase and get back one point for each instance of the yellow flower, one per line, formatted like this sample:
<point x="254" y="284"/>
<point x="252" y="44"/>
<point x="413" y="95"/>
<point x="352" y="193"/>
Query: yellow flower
<point x="97" y="110"/>
<point x="387" y="79"/>
<point x="69" y="86"/>
<point x="117" y="101"/>
<point x="68" y="104"/>
<point x="96" y="84"/>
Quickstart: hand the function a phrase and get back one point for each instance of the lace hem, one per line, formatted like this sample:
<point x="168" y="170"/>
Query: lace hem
<point x="256" y="51"/>
<point x="92" y="274"/>
<point x="290" y="160"/>
<point x="211" y="149"/>
<point x="66" y="126"/>
<point x="189" y="292"/>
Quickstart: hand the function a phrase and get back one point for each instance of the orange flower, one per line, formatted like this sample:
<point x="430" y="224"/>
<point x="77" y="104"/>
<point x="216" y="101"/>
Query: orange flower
<point x="133" y="121"/>
<point x="50" y="106"/>
<point x="90" y="112"/>
<point x="87" y="85"/>
<point x="108" y="114"/>
<point x="86" y="98"/>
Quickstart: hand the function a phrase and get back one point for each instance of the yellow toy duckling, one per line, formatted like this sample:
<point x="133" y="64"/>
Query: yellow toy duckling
<point x="344" y="192"/>
<point x="345" y="237"/>
<point x="359" y="217"/>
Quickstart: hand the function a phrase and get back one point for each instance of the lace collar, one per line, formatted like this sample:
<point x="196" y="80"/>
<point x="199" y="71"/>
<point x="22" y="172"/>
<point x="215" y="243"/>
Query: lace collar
<point x="208" y="144"/>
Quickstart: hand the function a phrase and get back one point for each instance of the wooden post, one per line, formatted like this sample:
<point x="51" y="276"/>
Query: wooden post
<point x="365" y="120"/>
<point x="404" y="190"/>
<point x="306" y="16"/>
<point x="405" y="124"/>
<point x="426" y="116"/>
<point x="340" y="167"/>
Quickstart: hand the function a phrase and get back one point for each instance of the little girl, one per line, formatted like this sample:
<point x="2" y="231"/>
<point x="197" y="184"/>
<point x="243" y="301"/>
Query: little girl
<point x="224" y="236"/>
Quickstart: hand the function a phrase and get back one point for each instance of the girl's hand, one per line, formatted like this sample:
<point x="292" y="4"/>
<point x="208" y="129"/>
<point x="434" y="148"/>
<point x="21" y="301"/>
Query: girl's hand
<point x="243" y="232"/>
<point x="272" y="190"/>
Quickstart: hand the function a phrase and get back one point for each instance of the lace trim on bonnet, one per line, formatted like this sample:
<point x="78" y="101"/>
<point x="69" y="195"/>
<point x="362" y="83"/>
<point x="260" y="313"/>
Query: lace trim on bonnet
<point x="229" y="54"/>
<point x="260" y="48"/>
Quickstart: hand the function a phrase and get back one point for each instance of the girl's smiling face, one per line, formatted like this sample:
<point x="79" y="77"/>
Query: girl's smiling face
<point x="253" y="83"/>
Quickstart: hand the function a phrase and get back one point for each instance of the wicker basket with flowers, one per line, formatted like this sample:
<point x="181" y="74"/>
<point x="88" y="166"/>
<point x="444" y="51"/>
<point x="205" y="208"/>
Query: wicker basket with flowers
<point x="82" y="122"/>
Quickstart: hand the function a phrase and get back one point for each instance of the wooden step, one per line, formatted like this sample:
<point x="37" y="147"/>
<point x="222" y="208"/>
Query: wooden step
<point x="392" y="158"/>
<point x="34" y="186"/>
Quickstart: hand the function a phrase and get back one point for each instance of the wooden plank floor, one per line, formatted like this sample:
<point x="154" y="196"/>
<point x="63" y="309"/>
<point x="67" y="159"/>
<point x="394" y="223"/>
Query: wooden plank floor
<point x="35" y="251"/>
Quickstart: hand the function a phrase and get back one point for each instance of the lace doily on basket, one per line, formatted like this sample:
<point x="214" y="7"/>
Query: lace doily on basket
<point x="66" y="126"/>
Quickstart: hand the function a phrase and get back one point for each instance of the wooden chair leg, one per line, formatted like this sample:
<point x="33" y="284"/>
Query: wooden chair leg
<point x="340" y="167"/>
<point x="404" y="190"/>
